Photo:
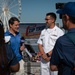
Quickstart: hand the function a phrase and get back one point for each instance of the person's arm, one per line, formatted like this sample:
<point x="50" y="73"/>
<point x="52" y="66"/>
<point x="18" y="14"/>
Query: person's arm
<point x="49" y="53"/>
<point x="22" y="43"/>
<point x="22" y="47"/>
<point x="42" y="51"/>
<point x="53" y="67"/>
<point x="43" y="54"/>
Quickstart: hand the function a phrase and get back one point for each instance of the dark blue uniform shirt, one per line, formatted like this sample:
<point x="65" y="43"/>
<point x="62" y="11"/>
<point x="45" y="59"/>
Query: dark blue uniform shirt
<point x="12" y="60"/>
<point x="64" y="54"/>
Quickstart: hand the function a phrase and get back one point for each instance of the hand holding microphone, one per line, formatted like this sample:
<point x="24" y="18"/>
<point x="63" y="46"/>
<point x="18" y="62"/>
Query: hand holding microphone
<point x="22" y="41"/>
<point x="22" y="45"/>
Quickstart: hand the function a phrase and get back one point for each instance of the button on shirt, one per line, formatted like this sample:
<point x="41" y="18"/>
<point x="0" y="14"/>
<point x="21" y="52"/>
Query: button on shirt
<point x="48" y="38"/>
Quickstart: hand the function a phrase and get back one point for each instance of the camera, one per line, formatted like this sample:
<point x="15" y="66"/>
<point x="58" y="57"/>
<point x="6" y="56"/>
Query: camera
<point x="60" y="6"/>
<point x="22" y="41"/>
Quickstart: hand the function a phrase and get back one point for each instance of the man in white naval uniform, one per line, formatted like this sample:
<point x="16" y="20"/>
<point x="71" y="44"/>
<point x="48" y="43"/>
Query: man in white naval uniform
<point x="47" y="41"/>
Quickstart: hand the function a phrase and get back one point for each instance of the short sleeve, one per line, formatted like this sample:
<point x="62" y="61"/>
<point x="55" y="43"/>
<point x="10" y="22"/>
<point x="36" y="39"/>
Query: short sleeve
<point x="42" y="36"/>
<point x="39" y="40"/>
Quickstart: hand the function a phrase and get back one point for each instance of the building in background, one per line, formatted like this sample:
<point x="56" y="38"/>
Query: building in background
<point x="32" y="30"/>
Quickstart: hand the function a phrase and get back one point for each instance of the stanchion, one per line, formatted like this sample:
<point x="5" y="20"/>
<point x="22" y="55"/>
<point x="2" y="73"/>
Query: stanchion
<point x="28" y="68"/>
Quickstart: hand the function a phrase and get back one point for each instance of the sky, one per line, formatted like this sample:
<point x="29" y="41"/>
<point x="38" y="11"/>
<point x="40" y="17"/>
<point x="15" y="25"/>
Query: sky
<point x="34" y="11"/>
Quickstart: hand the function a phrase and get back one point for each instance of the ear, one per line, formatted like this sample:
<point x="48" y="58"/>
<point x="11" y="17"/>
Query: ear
<point x="53" y="20"/>
<point x="67" y="17"/>
<point x="10" y="25"/>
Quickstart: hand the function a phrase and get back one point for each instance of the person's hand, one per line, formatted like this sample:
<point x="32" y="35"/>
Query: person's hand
<point x="22" y="47"/>
<point x="45" y="57"/>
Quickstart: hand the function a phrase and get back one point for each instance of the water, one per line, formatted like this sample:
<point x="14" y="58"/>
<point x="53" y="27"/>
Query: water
<point x="33" y="43"/>
<point x="35" y="47"/>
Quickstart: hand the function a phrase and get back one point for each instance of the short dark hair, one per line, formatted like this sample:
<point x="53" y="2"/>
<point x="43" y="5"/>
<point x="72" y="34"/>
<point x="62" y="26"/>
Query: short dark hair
<point x="52" y="15"/>
<point x="12" y="19"/>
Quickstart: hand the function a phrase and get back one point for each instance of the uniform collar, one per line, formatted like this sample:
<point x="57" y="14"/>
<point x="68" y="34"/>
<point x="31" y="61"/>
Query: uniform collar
<point x="11" y="33"/>
<point x="53" y="29"/>
<point x="71" y="30"/>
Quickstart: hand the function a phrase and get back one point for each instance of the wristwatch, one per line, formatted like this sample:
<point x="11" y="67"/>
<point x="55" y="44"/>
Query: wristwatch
<point x="47" y="55"/>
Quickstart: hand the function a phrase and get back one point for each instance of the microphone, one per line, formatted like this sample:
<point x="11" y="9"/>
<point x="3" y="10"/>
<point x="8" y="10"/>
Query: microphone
<point x="22" y="41"/>
<point x="30" y="55"/>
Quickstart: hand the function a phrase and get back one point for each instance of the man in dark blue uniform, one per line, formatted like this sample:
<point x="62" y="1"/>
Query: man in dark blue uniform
<point x="63" y="55"/>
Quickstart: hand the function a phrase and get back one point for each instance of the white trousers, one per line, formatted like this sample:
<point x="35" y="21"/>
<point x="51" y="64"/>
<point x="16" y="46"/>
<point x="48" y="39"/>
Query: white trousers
<point x="45" y="68"/>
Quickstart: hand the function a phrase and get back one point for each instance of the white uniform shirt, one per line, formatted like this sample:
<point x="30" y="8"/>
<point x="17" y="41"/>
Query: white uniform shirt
<point x="48" y="38"/>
